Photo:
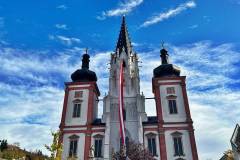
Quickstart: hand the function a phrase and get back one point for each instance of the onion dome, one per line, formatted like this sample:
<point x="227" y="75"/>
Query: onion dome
<point x="166" y="69"/>
<point x="84" y="74"/>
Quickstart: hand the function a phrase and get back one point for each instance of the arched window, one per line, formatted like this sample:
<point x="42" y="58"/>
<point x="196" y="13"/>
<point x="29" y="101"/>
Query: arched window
<point x="98" y="145"/>
<point x="177" y="142"/>
<point x="151" y="137"/>
<point x="76" y="108"/>
<point x="73" y="143"/>
<point x="172" y="104"/>
<point x="127" y="143"/>
<point x="124" y="114"/>
<point x="124" y="64"/>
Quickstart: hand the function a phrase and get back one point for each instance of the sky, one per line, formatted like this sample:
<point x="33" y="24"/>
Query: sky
<point x="41" y="44"/>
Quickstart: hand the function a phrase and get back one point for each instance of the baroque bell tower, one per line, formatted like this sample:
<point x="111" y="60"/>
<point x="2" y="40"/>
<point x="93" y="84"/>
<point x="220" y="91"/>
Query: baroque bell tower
<point x="80" y="110"/>
<point x="175" y="126"/>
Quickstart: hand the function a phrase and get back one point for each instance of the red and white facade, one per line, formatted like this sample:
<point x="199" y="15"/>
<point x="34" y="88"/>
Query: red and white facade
<point x="170" y="125"/>
<point x="169" y="135"/>
<point x="81" y="126"/>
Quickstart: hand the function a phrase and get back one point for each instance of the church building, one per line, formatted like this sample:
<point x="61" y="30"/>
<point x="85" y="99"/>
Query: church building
<point x="168" y="136"/>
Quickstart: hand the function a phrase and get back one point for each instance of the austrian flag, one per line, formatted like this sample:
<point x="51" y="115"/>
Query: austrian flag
<point x="121" y="105"/>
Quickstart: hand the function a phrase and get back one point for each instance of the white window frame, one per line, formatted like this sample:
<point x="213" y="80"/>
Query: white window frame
<point x="98" y="137"/>
<point x="152" y="136"/>
<point x="71" y="139"/>
<point x="178" y="135"/>
<point x="175" y="110"/>
<point x="79" y="103"/>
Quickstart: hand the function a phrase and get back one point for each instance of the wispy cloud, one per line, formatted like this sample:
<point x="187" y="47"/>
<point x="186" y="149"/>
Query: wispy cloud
<point x="35" y="80"/>
<point x="168" y="14"/>
<point x="32" y="90"/>
<point x="123" y="8"/>
<point x="61" y="26"/>
<point x="193" y="26"/>
<point x="68" y="41"/>
<point x="211" y="72"/>
<point x="63" y="7"/>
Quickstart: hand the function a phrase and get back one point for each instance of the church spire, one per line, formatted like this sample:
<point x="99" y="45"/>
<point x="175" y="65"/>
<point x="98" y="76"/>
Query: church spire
<point x="124" y="43"/>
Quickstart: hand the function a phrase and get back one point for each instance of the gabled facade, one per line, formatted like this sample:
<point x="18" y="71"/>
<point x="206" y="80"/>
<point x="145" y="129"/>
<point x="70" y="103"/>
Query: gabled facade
<point x="168" y="136"/>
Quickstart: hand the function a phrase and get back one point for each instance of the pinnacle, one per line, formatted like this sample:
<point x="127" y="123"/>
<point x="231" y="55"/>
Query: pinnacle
<point x="124" y="42"/>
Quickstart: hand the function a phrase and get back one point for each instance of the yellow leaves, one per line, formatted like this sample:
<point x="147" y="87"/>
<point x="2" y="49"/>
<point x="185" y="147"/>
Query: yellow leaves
<point x="229" y="155"/>
<point x="56" y="147"/>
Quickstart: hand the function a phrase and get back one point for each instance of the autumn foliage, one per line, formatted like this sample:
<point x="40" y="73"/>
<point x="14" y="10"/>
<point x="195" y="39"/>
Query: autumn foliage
<point x="56" y="147"/>
<point x="134" y="151"/>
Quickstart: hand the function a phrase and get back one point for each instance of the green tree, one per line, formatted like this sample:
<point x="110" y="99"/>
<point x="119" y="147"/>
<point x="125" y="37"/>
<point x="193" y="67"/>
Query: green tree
<point x="3" y="145"/>
<point x="13" y="153"/>
<point x="56" y="147"/>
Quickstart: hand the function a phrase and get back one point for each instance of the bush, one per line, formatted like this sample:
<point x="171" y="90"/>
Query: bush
<point x="135" y="151"/>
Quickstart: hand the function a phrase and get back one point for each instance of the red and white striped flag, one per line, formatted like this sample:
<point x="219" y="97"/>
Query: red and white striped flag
<point x="121" y="105"/>
<point x="121" y="108"/>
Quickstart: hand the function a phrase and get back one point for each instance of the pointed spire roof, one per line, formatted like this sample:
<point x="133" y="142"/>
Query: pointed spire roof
<point x="124" y="42"/>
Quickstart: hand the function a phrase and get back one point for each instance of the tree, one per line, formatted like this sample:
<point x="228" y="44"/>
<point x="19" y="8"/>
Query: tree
<point x="56" y="147"/>
<point x="228" y="155"/>
<point x="3" y="145"/>
<point x="135" y="151"/>
<point x="13" y="153"/>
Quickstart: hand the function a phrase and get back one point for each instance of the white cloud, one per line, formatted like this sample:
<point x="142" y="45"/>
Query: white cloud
<point x="29" y="112"/>
<point x="61" y="26"/>
<point x="214" y="105"/>
<point x="168" y="14"/>
<point x="124" y="8"/>
<point x="68" y="41"/>
<point x="193" y="26"/>
<point x="209" y="69"/>
<point x="135" y="44"/>
<point x="63" y="7"/>
<point x="31" y="105"/>
<point x="18" y="132"/>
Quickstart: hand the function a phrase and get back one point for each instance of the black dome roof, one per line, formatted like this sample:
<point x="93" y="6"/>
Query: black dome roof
<point x="166" y="69"/>
<point x="84" y="74"/>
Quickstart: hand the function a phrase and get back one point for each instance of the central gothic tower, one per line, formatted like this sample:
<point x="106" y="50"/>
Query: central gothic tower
<point x="134" y="105"/>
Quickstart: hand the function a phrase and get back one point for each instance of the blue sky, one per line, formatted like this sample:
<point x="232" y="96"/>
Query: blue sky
<point x="41" y="44"/>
